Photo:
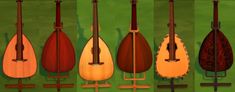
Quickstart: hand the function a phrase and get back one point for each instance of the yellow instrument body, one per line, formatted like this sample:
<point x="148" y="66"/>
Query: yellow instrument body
<point x="172" y="69"/>
<point x="96" y="72"/>
<point x="19" y="69"/>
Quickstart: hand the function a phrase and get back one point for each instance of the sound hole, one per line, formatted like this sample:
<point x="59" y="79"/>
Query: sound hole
<point x="22" y="47"/>
<point x="168" y="47"/>
<point x="92" y="49"/>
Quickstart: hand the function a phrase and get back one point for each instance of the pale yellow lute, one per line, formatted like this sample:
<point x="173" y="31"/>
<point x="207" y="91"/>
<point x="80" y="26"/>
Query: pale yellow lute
<point x="96" y="62"/>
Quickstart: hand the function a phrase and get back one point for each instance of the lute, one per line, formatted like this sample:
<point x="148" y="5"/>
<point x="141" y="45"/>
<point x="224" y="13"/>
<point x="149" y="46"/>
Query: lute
<point x="58" y="54"/>
<point x="96" y="62"/>
<point x="215" y="53"/>
<point x="134" y="53"/>
<point x="172" y="60"/>
<point x="19" y="59"/>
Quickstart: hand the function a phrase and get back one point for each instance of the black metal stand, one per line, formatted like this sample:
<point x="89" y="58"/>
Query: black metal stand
<point x="216" y="84"/>
<point x="172" y="86"/>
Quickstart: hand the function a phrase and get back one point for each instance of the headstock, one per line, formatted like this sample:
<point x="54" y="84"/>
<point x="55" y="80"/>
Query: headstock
<point x="19" y="0"/>
<point x="95" y="1"/>
<point x="133" y="1"/>
<point x="215" y="0"/>
<point x="58" y="1"/>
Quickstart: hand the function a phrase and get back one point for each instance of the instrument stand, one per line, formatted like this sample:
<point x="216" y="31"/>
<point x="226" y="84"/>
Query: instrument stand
<point x="172" y="86"/>
<point x="58" y="85"/>
<point x="20" y="85"/>
<point x="134" y="86"/>
<point x="216" y="84"/>
<point x="96" y="85"/>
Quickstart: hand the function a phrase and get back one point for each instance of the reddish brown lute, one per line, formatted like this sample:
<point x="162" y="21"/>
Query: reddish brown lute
<point x="58" y="53"/>
<point x="143" y="54"/>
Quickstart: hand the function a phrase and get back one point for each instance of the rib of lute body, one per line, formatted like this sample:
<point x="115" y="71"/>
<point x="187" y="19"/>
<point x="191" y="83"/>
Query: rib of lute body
<point x="172" y="58"/>
<point x="96" y="60"/>
<point x="134" y="53"/>
<point x="58" y="53"/>
<point x="19" y="59"/>
<point x="215" y="53"/>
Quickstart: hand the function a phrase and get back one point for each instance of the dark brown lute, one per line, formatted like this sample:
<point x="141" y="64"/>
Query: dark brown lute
<point x="215" y="53"/>
<point x="134" y="45"/>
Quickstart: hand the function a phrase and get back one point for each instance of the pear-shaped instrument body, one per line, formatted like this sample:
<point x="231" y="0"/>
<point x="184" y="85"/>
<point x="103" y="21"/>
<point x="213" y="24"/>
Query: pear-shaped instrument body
<point x="96" y="72"/>
<point x="64" y="55"/>
<point x="143" y="54"/>
<point x="172" y="69"/>
<point x="19" y="69"/>
<point x="224" y="54"/>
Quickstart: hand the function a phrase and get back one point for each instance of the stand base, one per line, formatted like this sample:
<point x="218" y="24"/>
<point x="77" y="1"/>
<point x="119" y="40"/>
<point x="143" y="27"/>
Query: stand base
<point x="134" y="86"/>
<point x="175" y="86"/>
<point x="105" y="85"/>
<point x="58" y="85"/>
<point x="213" y="84"/>
<point x="20" y="86"/>
<point x="96" y="85"/>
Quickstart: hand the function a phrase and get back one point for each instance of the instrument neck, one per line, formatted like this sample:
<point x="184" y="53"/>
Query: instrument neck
<point x="96" y="59"/>
<point x="19" y="24"/>
<point x="134" y="15"/>
<point x="171" y="31"/>
<point x="58" y="16"/>
<point x="215" y="15"/>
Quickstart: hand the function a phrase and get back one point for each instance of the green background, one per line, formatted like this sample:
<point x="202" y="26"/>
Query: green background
<point x="38" y="19"/>
<point x="192" y="17"/>
<point x="203" y="18"/>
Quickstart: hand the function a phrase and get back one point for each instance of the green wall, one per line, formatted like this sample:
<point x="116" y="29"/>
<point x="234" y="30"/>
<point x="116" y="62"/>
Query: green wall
<point x="193" y="22"/>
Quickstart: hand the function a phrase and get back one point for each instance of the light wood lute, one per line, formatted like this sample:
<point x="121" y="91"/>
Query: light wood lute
<point x="96" y="62"/>
<point x="172" y="58"/>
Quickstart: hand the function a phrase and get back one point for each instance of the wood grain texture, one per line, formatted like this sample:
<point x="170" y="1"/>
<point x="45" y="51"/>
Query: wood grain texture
<point x="125" y="54"/>
<point x="65" y="50"/>
<point x="96" y="72"/>
<point x="19" y="69"/>
<point x="172" y="69"/>
<point x="223" y="50"/>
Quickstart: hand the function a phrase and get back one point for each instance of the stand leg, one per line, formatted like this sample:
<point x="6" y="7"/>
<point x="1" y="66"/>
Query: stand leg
<point x="96" y="85"/>
<point x="96" y="88"/>
<point x="20" y="85"/>
<point x="172" y="85"/>
<point x="58" y="85"/>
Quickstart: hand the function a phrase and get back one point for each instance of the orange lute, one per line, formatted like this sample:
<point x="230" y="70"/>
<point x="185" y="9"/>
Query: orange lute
<point x="172" y="59"/>
<point x="19" y="59"/>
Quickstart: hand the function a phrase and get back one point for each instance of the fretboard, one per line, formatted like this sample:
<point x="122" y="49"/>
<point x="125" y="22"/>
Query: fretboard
<point x="19" y="45"/>
<point x="96" y="59"/>
<point x="134" y="15"/>
<point x="171" y="31"/>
